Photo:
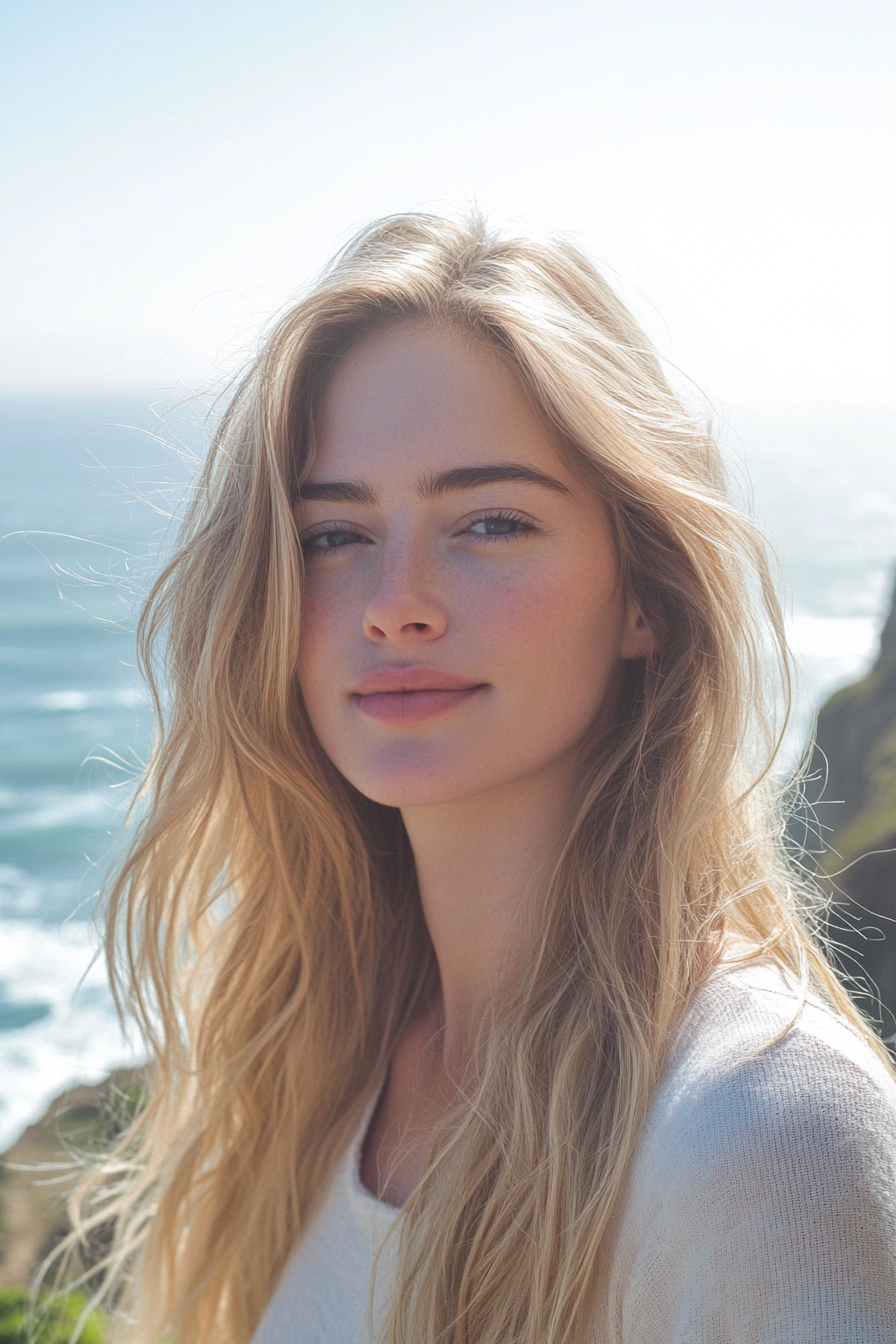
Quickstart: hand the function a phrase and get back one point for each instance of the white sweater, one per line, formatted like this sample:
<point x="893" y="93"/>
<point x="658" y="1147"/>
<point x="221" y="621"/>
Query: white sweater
<point x="760" y="1207"/>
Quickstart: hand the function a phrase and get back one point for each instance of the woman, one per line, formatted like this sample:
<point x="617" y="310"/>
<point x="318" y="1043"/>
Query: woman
<point x="483" y="1005"/>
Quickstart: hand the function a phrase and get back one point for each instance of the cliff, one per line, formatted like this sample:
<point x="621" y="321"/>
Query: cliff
<point x="38" y="1171"/>
<point x="853" y="791"/>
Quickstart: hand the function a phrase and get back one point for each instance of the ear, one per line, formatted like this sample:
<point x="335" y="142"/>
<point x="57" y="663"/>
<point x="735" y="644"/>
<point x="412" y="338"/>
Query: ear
<point x="638" y="638"/>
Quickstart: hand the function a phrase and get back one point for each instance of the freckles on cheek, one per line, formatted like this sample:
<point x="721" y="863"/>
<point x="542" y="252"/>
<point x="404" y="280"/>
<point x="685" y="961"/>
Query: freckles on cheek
<point x="526" y="618"/>
<point x="559" y="626"/>
<point x="546" y="599"/>
<point x="313" y="655"/>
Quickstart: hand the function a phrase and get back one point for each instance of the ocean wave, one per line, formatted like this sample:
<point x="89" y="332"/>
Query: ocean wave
<point x="853" y="637"/>
<point x="831" y="650"/>
<point x="71" y="700"/>
<point x="23" y="896"/>
<point x="76" y="1038"/>
<point x="50" y="809"/>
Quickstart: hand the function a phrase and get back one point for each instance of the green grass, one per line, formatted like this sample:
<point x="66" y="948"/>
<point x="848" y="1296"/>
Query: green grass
<point x="53" y="1321"/>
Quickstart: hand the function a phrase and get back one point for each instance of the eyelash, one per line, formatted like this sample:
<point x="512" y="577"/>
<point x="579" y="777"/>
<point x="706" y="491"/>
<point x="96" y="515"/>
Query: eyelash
<point x="329" y="530"/>
<point x="524" y="528"/>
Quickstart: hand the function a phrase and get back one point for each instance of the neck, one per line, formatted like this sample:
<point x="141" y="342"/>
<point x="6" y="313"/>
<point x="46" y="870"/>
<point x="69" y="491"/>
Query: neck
<point x="475" y="860"/>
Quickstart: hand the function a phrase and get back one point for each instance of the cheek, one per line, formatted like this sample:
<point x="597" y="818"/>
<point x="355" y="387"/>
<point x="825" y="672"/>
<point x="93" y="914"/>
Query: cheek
<point x="320" y="637"/>
<point x="562" y="628"/>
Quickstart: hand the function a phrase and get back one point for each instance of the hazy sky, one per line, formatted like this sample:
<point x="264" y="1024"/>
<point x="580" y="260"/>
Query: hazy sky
<point x="175" y="170"/>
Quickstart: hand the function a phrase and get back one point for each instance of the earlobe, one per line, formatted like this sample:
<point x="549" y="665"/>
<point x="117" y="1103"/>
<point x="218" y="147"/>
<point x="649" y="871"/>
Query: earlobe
<point x="639" y="640"/>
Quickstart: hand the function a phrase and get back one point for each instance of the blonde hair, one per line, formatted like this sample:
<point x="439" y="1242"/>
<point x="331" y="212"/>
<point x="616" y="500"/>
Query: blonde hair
<point x="265" y="928"/>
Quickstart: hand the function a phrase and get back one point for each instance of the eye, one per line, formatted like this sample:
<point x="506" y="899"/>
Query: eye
<point x="501" y="525"/>
<point x="332" y="537"/>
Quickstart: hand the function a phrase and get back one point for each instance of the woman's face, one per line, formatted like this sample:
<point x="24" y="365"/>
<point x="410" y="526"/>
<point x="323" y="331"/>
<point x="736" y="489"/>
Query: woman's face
<point x="462" y="626"/>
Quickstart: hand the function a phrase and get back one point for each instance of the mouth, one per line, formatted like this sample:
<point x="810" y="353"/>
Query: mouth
<point x="411" y="695"/>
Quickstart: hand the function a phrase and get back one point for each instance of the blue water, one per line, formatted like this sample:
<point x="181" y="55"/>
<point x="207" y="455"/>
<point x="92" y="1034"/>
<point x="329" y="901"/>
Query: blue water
<point x="89" y="485"/>
<point x="89" y="488"/>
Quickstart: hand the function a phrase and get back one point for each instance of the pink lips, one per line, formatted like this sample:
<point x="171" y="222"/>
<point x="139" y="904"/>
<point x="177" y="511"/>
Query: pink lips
<point x="408" y="695"/>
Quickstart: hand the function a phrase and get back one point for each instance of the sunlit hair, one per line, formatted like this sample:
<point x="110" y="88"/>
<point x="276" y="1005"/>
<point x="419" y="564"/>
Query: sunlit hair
<point x="265" y="928"/>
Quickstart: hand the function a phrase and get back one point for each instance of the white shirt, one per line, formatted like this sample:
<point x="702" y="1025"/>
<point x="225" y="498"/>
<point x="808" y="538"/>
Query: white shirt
<point x="760" y="1206"/>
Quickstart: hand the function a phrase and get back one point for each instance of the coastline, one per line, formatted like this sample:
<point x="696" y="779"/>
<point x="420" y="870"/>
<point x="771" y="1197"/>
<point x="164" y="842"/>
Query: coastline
<point x="39" y="1169"/>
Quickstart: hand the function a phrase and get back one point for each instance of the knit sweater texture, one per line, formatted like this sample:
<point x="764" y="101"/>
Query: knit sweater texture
<point x="759" y="1207"/>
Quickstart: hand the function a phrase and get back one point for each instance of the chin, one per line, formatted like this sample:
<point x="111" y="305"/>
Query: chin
<point x="411" y="789"/>
<point x="413" y="775"/>
<point x="406" y="798"/>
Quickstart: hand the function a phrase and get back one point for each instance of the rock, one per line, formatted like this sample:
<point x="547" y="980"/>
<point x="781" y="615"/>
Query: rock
<point x="853" y="791"/>
<point x="38" y="1171"/>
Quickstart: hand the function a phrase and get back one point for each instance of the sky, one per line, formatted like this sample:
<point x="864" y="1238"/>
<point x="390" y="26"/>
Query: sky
<point x="174" y="172"/>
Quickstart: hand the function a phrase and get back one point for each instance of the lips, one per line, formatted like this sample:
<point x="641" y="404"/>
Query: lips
<point x="408" y="695"/>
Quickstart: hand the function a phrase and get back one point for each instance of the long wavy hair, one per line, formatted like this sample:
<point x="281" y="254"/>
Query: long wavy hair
<point x="265" y="927"/>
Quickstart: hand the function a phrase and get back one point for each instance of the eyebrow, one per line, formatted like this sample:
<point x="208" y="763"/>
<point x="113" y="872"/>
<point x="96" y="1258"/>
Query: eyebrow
<point x="431" y="486"/>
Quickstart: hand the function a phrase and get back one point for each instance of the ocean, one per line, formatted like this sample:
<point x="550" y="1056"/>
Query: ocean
<point x="90" y="488"/>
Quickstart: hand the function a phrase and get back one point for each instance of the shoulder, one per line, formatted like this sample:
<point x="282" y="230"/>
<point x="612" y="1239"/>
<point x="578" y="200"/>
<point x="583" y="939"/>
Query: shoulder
<point x="748" y="1065"/>
<point x="762" y="1195"/>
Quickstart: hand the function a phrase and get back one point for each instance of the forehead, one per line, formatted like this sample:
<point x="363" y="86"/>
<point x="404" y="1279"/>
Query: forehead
<point x="412" y="395"/>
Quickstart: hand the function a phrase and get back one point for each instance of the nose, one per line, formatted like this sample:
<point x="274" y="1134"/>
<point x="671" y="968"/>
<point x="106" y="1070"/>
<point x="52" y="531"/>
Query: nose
<point x="404" y="608"/>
